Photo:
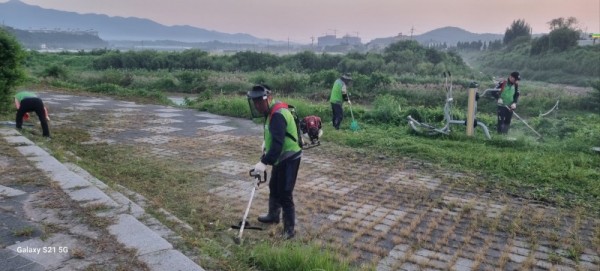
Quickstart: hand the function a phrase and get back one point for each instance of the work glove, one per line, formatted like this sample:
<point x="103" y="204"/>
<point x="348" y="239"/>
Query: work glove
<point x="259" y="168"/>
<point x="500" y="101"/>
<point x="513" y="106"/>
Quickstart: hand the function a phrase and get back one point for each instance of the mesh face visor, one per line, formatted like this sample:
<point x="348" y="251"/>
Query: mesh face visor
<point x="253" y="111"/>
<point x="258" y="93"/>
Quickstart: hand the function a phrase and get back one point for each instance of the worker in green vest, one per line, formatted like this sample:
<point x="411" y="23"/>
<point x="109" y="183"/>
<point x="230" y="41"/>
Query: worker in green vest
<point x="339" y="94"/>
<point x="508" y="96"/>
<point x="282" y="151"/>
<point x="26" y="102"/>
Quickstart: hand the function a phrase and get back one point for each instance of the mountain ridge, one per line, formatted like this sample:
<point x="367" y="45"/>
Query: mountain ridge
<point x="109" y="28"/>
<point x="19" y="15"/>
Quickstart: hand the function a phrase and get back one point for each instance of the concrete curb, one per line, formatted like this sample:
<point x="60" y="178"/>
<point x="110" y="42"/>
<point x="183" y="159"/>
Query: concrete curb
<point x="151" y="247"/>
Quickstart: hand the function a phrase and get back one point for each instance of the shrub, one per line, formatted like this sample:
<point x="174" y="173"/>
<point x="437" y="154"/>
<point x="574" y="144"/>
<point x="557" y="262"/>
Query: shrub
<point x="11" y="72"/>
<point x="324" y="78"/>
<point x="165" y="84"/>
<point x="192" y="81"/>
<point x="386" y="109"/>
<point x="55" y="71"/>
<point x="288" y="83"/>
<point x="115" y="77"/>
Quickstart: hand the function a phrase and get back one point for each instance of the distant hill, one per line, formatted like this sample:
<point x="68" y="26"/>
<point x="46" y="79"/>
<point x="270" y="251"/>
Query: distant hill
<point x="57" y="40"/>
<point x="452" y="35"/>
<point x="449" y="35"/>
<point x="17" y="14"/>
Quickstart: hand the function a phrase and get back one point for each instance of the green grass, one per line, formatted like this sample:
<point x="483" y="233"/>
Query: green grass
<point x="560" y="169"/>
<point x="292" y="256"/>
<point x="181" y="187"/>
<point x="24" y="232"/>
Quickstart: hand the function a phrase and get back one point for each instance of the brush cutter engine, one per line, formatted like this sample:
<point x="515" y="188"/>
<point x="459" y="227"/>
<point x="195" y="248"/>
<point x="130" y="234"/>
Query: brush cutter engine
<point x="311" y="130"/>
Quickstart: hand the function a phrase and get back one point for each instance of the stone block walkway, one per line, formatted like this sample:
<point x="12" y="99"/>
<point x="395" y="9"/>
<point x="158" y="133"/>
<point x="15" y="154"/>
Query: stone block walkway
<point x="394" y="214"/>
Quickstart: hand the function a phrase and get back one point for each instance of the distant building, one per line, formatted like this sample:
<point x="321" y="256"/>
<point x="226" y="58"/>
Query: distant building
<point x="327" y="40"/>
<point x="350" y="40"/>
<point x="332" y="40"/>
<point x="381" y="43"/>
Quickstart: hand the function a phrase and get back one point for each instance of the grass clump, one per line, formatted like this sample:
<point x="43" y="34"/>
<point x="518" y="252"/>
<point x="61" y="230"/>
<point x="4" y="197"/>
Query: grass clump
<point x="295" y="256"/>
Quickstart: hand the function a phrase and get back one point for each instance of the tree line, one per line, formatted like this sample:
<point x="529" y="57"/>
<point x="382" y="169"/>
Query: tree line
<point x="399" y="58"/>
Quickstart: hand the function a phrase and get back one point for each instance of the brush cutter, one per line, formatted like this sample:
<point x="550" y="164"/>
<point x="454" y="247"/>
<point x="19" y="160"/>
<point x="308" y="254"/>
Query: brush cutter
<point x="524" y="122"/>
<point x="353" y="125"/>
<point x="244" y="224"/>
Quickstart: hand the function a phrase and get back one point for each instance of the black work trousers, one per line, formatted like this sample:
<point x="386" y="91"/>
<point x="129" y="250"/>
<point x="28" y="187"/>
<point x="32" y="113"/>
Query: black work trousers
<point x="504" y="118"/>
<point x="282" y="183"/>
<point x="33" y="104"/>
<point x="338" y="114"/>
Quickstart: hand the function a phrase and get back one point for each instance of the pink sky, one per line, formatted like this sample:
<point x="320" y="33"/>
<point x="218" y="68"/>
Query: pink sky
<point x="299" y="20"/>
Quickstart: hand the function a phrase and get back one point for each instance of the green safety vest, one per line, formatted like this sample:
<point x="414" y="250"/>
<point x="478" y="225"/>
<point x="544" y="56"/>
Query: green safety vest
<point x="290" y="146"/>
<point x="508" y="94"/>
<point x="336" y="92"/>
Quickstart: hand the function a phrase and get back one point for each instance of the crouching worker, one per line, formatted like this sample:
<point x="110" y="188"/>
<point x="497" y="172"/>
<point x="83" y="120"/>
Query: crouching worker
<point x="282" y="151"/>
<point x="26" y="102"/>
<point x="311" y="129"/>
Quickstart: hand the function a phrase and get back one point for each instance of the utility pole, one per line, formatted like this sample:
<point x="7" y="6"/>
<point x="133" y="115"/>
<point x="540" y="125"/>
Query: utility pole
<point x="312" y="41"/>
<point x="412" y="29"/>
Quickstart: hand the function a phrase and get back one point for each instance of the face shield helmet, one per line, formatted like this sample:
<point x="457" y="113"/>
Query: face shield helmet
<point x="258" y="100"/>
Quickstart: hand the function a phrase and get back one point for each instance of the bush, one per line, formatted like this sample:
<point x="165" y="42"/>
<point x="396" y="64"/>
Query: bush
<point x="11" y="72"/>
<point x="114" y="77"/>
<point x="386" y="109"/>
<point x="288" y="83"/>
<point x="192" y="81"/>
<point x="324" y="78"/>
<point x="55" y="71"/>
<point x="165" y="84"/>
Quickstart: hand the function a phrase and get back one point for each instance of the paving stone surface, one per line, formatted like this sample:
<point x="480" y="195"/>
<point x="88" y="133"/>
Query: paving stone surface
<point x="9" y="192"/>
<point x="399" y="215"/>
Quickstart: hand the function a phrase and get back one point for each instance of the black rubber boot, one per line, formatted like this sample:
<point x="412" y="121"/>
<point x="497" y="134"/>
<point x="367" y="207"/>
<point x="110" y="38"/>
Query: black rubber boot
<point x="505" y="128"/>
<point x="289" y="221"/>
<point x="274" y="211"/>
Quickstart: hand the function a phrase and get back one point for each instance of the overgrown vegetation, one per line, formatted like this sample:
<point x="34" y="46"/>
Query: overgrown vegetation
<point x="294" y="256"/>
<point x="561" y="169"/>
<point x="11" y="71"/>
<point x="404" y="80"/>
<point x="576" y="66"/>
<point x="554" y="57"/>
<point x="387" y="97"/>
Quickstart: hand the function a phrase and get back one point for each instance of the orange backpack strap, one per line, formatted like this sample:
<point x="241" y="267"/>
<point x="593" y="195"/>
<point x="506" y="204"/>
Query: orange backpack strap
<point x="276" y="108"/>
<point x="501" y="87"/>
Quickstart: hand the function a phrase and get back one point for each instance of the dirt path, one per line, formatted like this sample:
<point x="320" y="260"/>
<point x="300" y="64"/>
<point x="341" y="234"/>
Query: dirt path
<point x="397" y="215"/>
